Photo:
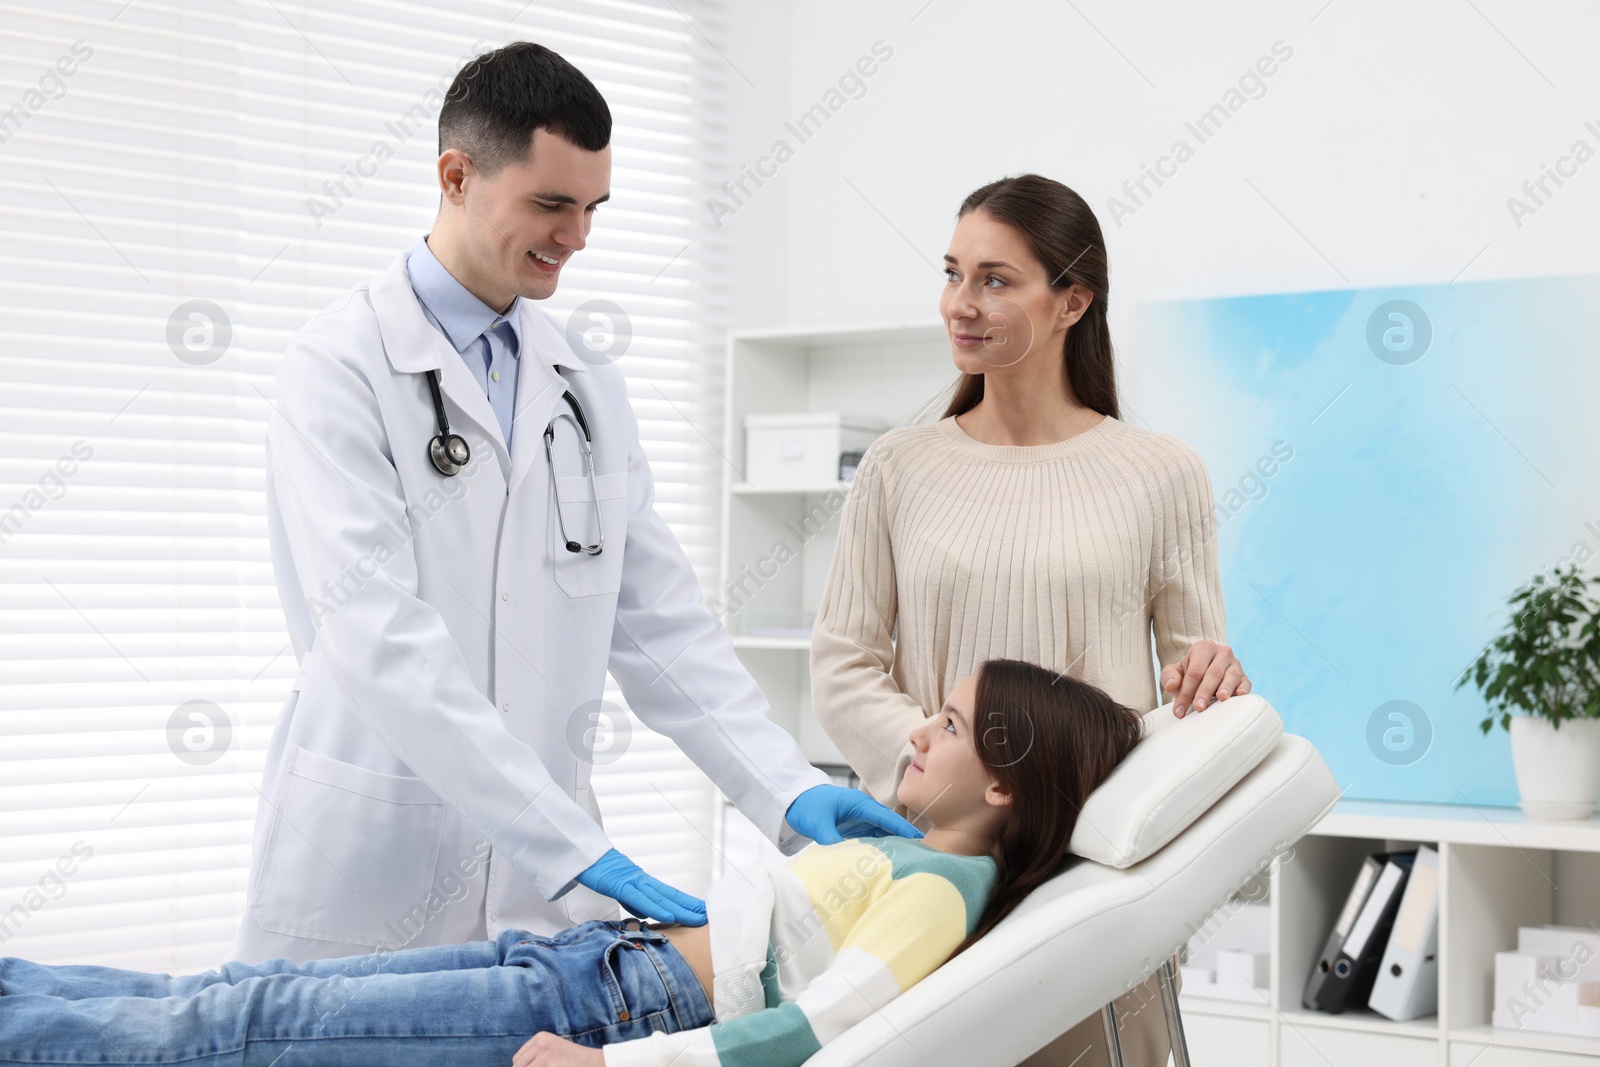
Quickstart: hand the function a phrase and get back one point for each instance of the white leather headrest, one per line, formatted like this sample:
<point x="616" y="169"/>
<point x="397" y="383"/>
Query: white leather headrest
<point x="1177" y="771"/>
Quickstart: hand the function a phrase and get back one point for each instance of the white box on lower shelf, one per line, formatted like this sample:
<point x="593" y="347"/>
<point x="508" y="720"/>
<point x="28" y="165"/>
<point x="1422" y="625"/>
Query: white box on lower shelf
<point x="1229" y="956"/>
<point x="1550" y="983"/>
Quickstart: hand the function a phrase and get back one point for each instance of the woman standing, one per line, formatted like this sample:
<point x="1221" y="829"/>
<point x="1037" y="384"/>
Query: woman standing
<point x="1029" y="522"/>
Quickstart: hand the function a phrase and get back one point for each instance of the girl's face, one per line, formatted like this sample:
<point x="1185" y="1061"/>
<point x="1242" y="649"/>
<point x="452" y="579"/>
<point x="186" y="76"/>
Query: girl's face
<point x="946" y="780"/>
<point x="997" y="303"/>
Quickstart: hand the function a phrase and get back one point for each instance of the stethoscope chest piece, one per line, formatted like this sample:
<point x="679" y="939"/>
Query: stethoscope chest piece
<point x="449" y="453"/>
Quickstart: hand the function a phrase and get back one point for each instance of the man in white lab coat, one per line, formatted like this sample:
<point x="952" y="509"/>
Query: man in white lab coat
<point x="428" y="780"/>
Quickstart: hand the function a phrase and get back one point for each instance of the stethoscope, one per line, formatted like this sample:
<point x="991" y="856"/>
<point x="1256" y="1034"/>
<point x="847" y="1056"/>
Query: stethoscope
<point x="449" y="453"/>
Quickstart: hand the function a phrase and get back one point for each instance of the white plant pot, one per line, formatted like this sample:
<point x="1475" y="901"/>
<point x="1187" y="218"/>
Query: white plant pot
<point x="1558" y="771"/>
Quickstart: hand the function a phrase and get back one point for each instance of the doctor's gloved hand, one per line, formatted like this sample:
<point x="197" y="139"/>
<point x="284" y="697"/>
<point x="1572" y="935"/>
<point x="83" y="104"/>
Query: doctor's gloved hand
<point x="623" y="880"/>
<point x="829" y="813"/>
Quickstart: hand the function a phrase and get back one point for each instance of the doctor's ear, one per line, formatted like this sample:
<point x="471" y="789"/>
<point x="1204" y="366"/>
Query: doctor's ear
<point x="454" y="167"/>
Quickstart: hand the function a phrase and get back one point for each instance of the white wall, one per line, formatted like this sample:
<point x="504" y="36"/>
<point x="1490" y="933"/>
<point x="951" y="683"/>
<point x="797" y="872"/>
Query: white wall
<point x="758" y="50"/>
<point x="1381" y="152"/>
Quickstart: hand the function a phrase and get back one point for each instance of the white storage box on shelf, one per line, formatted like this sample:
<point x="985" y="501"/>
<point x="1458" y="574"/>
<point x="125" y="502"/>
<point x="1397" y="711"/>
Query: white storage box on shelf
<point x="803" y="448"/>
<point x="1229" y="957"/>
<point x="1550" y="983"/>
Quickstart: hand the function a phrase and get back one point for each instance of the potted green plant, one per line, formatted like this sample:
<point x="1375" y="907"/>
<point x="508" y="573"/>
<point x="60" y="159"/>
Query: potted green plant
<point x="1546" y="665"/>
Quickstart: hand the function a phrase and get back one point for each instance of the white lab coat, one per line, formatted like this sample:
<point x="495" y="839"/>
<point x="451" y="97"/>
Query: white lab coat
<point x="427" y="782"/>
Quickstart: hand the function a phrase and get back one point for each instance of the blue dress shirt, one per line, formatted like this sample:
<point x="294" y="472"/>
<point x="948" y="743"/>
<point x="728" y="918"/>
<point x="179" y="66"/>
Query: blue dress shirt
<point x="486" y="340"/>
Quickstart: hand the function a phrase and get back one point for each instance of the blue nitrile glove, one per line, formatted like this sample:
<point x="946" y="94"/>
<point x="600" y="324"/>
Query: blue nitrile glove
<point x="620" y="878"/>
<point x="831" y="813"/>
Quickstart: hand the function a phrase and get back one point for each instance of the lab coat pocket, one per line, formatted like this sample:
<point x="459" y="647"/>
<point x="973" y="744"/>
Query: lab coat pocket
<point x="578" y="573"/>
<point x="350" y="855"/>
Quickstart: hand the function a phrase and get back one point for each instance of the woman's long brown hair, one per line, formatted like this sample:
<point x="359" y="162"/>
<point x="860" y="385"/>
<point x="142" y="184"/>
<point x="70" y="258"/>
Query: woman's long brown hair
<point x="1050" y="741"/>
<point x="1064" y="236"/>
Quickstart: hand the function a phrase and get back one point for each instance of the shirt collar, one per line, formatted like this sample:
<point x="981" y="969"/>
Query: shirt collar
<point x="462" y="316"/>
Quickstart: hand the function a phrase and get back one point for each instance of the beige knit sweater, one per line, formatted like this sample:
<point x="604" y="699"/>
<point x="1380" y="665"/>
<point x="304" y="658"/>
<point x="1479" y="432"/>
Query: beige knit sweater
<point x="952" y="551"/>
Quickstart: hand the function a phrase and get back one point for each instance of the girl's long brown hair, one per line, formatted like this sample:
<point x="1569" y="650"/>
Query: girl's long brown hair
<point x="1050" y="741"/>
<point x="1063" y="235"/>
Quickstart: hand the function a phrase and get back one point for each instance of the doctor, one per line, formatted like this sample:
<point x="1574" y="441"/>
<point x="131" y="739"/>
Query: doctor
<point x="458" y="575"/>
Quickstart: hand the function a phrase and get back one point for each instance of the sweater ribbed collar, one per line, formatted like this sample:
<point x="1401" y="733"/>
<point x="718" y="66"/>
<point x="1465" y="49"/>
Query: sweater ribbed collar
<point x="1082" y="441"/>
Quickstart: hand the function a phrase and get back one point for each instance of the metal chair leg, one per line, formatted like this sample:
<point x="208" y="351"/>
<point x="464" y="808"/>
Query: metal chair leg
<point x="1108" y="1020"/>
<point x="1165" y="981"/>
<point x="1169" y="1005"/>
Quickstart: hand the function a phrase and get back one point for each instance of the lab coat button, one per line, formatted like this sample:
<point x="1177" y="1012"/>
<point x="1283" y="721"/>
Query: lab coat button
<point x="505" y="707"/>
<point x="505" y="596"/>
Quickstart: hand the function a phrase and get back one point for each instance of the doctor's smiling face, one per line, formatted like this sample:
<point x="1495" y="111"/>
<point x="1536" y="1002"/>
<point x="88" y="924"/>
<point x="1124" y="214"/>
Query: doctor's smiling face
<point x="524" y="161"/>
<point x="522" y="223"/>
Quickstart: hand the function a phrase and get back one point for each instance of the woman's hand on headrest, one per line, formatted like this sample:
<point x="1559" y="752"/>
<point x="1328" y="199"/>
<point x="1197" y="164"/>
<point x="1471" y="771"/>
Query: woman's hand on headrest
<point x="1207" y="671"/>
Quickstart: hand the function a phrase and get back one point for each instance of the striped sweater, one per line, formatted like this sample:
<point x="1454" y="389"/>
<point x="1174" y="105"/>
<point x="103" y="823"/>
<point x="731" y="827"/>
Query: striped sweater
<point x="805" y="948"/>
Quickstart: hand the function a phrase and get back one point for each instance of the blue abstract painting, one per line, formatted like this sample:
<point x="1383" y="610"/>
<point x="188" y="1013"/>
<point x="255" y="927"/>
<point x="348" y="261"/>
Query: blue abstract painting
<point x="1388" y="466"/>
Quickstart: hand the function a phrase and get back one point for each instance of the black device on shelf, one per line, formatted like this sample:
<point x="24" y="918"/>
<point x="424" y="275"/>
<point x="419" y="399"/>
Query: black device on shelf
<point x="848" y="462"/>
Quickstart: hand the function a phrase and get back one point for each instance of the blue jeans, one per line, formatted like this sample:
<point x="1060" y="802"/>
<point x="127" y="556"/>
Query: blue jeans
<point x="475" y="1003"/>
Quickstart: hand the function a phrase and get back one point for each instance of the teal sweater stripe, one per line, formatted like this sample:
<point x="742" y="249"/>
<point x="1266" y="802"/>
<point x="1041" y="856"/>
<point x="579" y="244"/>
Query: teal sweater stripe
<point x="777" y="1037"/>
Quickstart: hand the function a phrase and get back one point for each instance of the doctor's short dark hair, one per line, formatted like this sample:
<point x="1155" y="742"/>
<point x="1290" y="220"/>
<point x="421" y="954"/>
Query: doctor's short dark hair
<point x="499" y="98"/>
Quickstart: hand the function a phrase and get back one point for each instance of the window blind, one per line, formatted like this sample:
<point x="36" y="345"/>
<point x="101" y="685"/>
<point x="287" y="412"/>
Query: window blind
<point x="186" y="183"/>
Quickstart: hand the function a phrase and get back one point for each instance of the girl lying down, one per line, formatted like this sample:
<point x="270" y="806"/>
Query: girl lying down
<point x="793" y="953"/>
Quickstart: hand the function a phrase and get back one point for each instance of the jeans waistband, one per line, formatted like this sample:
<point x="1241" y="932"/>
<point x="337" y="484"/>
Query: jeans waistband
<point x="688" y="997"/>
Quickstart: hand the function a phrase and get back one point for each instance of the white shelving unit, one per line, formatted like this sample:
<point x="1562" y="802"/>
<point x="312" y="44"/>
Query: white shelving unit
<point x="769" y="595"/>
<point x="1498" y="871"/>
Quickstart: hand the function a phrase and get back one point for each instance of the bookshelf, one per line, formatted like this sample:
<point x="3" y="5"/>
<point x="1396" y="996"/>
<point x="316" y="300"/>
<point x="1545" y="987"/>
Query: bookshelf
<point x="768" y="596"/>
<point x="1498" y="871"/>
